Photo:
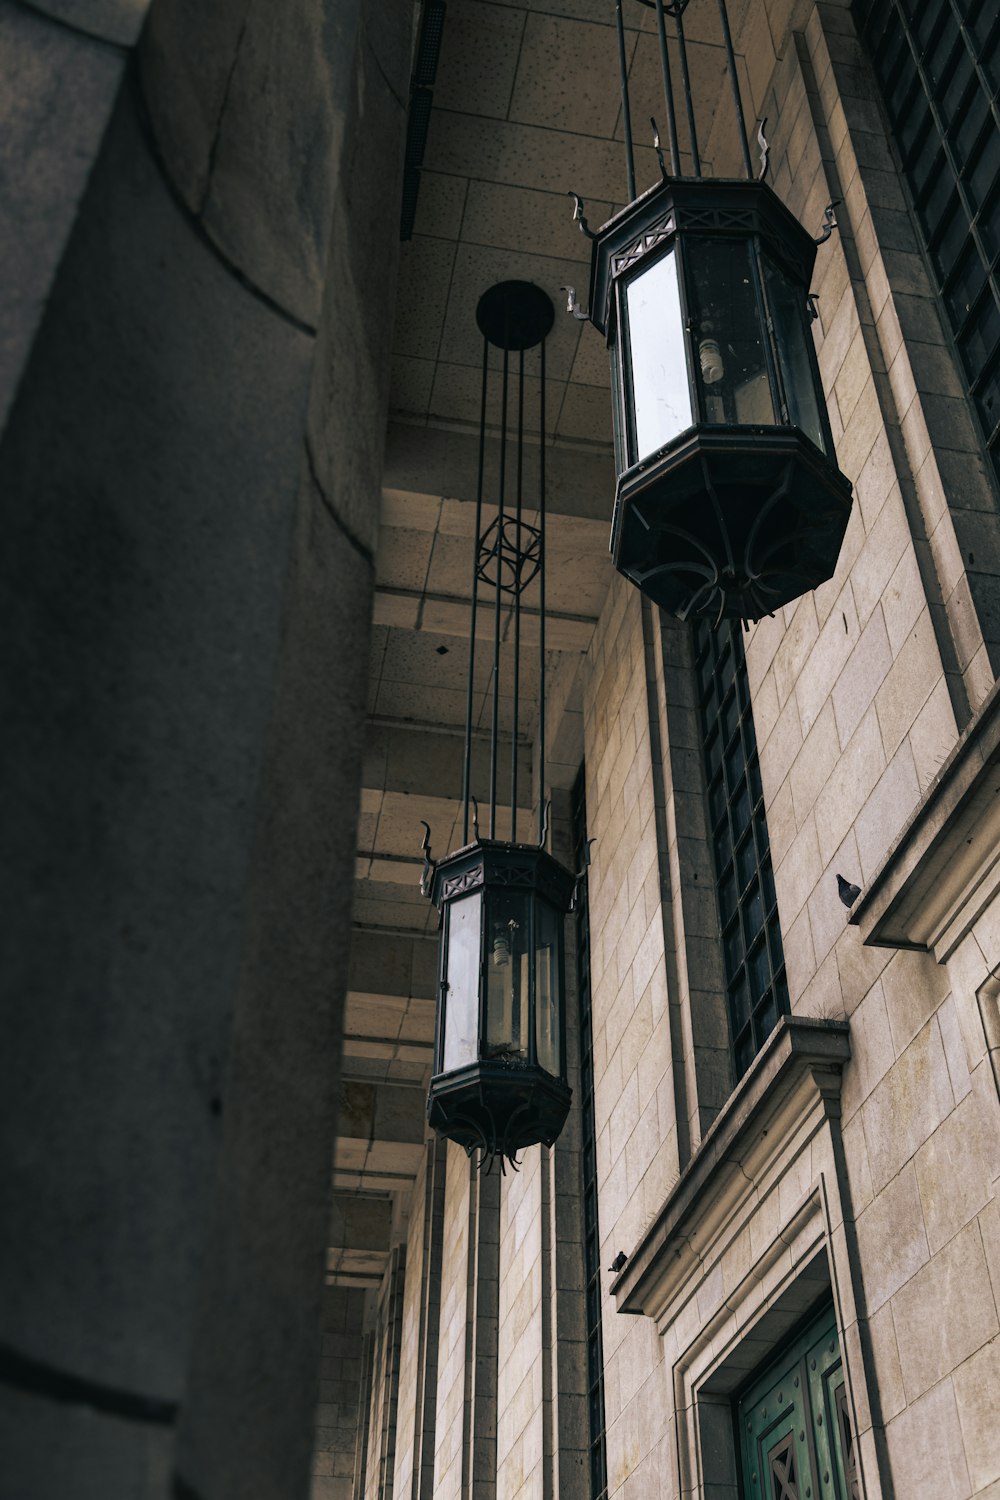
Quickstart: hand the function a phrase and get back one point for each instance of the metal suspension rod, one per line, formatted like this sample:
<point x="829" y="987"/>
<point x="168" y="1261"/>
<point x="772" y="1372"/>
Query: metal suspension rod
<point x="727" y="37"/>
<point x="517" y="601"/>
<point x="541" y="602"/>
<point x="686" y="81"/>
<point x="477" y="529"/>
<point x="494" y="726"/>
<point x="626" y="110"/>
<point x="668" y="90"/>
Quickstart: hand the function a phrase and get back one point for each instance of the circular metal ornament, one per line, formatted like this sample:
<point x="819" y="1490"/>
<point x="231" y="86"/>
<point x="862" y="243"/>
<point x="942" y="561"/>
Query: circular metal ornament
<point x="515" y="315"/>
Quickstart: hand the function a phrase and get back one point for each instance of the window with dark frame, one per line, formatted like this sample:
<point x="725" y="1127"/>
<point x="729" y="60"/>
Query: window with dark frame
<point x="938" y="66"/>
<point x="591" y="1230"/>
<point x="753" y="958"/>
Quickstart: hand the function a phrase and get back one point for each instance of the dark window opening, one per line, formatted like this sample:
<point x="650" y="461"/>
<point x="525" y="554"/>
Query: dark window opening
<point x="936" y="64"/>
<point x="752" y="953"/>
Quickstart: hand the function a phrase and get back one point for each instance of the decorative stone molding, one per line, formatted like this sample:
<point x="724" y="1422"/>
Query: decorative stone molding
<point x="792" y="1087"/>
<point x="757" y="1231"/>
<point x="944" y="869"/>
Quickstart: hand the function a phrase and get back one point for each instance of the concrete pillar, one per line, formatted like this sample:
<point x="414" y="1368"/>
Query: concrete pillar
<point x="61" y="65"/>
<point x="339" y="1393"/>
<point x="190" y="475"/>
<point x="465" y="1439"/>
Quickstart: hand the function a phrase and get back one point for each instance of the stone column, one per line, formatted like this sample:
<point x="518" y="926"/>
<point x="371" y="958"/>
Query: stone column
<point x="190" y="474"/>
<point x="465" y="1455"/>
<point x="61" y="65"/>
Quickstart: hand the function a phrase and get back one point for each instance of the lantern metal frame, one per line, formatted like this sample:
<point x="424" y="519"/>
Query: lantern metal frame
<point x="501" y="1099"/>
<point x="724" y="518"/>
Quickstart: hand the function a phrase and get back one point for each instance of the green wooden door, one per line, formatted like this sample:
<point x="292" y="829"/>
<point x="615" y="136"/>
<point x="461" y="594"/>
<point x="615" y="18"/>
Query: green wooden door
<point x="796" y="1441"/>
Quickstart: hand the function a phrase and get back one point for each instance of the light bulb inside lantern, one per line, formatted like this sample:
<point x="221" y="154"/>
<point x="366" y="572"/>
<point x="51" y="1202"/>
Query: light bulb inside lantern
<point x="502" y="946"/>
<point x="710" y="355"/>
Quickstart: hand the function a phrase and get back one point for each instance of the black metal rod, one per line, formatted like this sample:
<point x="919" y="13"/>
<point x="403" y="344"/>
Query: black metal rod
<point x="517" y="601"/>
<point x="467" y="768"/>
<point x="626" y="109"/>
<point x="727" y="37"/>
<point x="495" y="724"/>
<point x="668" y="90"/>
<point x="541" y="600"/>
<point x="688" y="100"/>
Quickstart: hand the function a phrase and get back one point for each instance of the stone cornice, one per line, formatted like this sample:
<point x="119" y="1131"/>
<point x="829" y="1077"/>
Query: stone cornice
<point x="792" y="1086"/>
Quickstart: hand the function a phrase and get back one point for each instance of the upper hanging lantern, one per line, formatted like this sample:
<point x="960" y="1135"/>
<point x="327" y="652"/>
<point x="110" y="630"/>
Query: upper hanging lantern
<point x="499" y="1081"/>
<point x="729" y="501"/>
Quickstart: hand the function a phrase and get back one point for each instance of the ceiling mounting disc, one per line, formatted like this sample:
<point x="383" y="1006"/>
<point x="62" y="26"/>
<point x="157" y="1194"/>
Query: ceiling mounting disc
<point x="515" y="315"/>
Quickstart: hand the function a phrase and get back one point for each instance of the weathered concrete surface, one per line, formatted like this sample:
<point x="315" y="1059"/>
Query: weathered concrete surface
<point x="186" y="615"/>
<point x="57" y="90"/>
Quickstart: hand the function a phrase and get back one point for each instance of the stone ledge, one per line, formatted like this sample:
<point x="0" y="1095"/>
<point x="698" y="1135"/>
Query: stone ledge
<point x="945" y="865"/>
<point x="797" y="1048"/>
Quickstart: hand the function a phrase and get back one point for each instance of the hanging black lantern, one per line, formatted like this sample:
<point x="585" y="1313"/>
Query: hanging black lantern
<point x="499" y="1081"/>
<point x="729" y="501"/>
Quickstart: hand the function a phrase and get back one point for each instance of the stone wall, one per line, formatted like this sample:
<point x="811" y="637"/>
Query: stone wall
<point x="335" y="1447"/>
<point x="635" y="1114"/>
<point x="858" y="1160"/>
<point x="859" y="692"/>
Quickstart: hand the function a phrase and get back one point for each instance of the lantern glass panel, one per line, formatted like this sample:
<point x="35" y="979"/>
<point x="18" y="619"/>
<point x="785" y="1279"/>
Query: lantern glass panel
<point x="729" y="333"/>
<point x="788" y="316"/>
<point x="661" y="395"/>
<point x="548" y="988"/>
<point x="508" y="953"/>
<point x="461" y="1011"/>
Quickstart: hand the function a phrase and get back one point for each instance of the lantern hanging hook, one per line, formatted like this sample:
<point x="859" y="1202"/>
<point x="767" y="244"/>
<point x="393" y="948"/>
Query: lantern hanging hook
<point x="829" y="222"/>
<point x="475" y="817"/>
<point x="656" y="147"/>
<point x="579" y="218"/>
<point x="581" y="873"/>
<point x="572" y="306"/>
<point x="765" y="150"/>
<point x="545" y="822"/>
<point x="430" y="864"/>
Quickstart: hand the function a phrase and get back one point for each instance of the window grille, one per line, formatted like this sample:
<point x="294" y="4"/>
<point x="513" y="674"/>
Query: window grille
<point x="938" y="65"/>
<point x="753" y="958"/>
<point x="591" y="1231"/>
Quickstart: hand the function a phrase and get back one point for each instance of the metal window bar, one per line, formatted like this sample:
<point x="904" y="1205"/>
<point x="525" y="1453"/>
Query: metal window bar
<point x="938" y="66"/>
<point x="753" y="957"/>
<point x="598" y="1476"/>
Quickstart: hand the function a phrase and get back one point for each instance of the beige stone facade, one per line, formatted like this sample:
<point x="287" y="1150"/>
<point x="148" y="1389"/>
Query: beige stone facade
<point x="245" y="1268"/>
<point x="856" y="1164"/>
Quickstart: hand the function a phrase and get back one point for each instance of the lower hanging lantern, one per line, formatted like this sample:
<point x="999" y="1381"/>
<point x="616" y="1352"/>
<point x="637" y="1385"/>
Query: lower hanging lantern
<point x="499" y="1080"/>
